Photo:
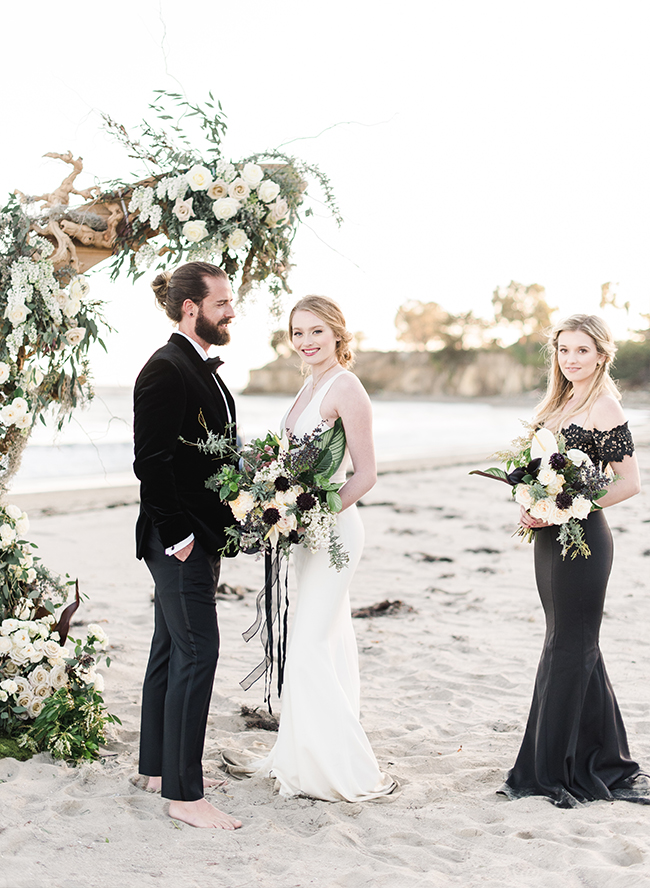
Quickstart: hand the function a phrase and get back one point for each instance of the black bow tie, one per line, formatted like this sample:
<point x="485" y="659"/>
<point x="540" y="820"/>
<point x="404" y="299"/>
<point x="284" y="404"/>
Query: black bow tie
<point x="213" y="364"/>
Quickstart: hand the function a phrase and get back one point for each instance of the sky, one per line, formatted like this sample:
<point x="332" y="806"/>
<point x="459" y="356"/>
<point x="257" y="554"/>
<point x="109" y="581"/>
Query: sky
<point x="468" y="143"/>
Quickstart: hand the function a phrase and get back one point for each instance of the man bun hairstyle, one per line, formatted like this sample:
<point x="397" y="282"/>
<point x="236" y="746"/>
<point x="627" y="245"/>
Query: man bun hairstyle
<point x="330" y="313"/>
<point x="187" y="282"/>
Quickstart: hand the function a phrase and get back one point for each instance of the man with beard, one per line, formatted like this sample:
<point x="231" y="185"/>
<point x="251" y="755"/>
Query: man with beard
<point x="178" y="396"/>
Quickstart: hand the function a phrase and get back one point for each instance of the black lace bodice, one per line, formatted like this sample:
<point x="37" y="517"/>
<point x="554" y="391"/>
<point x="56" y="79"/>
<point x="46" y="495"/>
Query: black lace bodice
<point x="601" y="447"/>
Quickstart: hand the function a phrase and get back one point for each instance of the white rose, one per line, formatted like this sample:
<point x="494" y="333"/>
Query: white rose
<point x="199" y="178"/>
<point x="34" y="653"/>
<point x="268" y="191"/>
<point x="20" y="404"/>
<point x="279" y="209"/>
<point x="241" y="506"/>
<point x="13" y="511"/>
<point x="21" y="637"/>
<point x="559" y="516"/>
<point x="182" y="209"/>
<point x="225" y="207"/>
<point x="551" y="480"/>
<point x="39" y="676"/>
<point x="218" y="189"/>
<point x="97" y="632"/>
<point x="61" y="297"/>
<point x="5" y="645"/>
<point x="238" y="189"/>
<point x="79" y="288"/>
<point x="8" y="535"/>
<point x="5" y="372"/>
<point x="3" y="696"/>
<point x="25" y="698"/>
<point x="35" y="707"/>
<point x="75" y="335"/>
<point x="580" y="507"/>
<point x="523" y="496"/>
<point x="51" y="650"/>
<point x="9" y="685"/>
<point x="17" y="313"/>
<point x="71" y="308"/>
<point x="542" y="509"/>
<point x="58" y="677"/>
<point x="9" y="414"/>
<point x="577" y="457"/>
<point x="31" y="575"/>
<point x="195" y="231"/>
<point x="42" y="691"/>
<point x="237" y="239"/>
<point x="10" y="668"/>
<point x="252" y="174"/>
<point x="98" y="683"/>
<point x="24" y="421"/>
<point x="9" y="625"/>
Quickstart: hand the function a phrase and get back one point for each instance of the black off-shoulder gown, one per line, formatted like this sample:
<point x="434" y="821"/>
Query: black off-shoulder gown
<point x="575" y="747"/>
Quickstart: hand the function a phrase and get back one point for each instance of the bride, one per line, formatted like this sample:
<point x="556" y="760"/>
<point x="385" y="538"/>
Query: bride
<point x="321" y="749"/>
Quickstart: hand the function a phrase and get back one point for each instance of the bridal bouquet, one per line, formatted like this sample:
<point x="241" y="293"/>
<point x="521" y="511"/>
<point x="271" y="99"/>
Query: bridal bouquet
<point x="280" y="492"/>
<point x="556" y="485"/>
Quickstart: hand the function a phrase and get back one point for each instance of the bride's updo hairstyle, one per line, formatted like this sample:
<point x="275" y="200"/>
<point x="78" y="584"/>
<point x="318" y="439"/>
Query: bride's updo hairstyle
<point x="329" y="313"/>
<point x="559" y="388"/>
<point x="187" y="282"/>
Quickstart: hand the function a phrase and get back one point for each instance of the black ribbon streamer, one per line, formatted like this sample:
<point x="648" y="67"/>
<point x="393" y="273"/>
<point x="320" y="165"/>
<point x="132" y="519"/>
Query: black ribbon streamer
<point x="272" y="608"/>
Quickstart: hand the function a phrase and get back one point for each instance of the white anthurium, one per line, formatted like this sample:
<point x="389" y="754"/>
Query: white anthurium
<point x="543" y="445"/>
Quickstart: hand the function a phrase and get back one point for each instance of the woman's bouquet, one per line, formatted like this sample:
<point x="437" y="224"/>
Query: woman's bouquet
<point x="555" y="485"/>
<point x="280" y="491"/>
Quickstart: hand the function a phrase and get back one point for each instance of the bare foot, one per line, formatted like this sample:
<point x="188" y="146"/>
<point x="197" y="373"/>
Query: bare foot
<point x="202" y="814"/>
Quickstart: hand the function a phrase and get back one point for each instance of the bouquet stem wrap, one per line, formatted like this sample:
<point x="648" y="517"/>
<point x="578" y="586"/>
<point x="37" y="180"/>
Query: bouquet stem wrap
<point x="272" y="608"/>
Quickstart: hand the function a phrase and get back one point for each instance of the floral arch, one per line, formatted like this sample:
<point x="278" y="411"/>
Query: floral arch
<point x="193" y="204"/>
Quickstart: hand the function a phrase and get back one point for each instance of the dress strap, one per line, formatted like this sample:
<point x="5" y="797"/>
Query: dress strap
<point x="317" y="400"/>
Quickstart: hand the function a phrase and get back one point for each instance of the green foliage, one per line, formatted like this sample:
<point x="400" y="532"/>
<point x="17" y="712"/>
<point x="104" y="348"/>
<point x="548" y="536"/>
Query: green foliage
<point x="12" y="748"/>
<point x="632" y="364"/>
<point x="71" y="725"/>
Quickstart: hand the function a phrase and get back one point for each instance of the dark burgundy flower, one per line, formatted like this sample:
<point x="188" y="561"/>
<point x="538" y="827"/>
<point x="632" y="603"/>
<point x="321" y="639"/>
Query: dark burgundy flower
<point x="271" y="516"/>
<point x="563" y="500"/>
<point x="282" y="483"/>
<point x="294" y="536"/>
<point x="557" y="461"/>
<point x="305" y="501"/>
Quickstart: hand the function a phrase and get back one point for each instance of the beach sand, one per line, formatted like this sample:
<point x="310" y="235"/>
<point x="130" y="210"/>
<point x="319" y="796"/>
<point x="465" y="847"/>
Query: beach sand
<point x="445" y="695"/>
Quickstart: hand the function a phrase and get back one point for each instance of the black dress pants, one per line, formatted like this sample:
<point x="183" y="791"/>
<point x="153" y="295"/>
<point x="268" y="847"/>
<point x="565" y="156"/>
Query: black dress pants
<point x="180" y="673"/>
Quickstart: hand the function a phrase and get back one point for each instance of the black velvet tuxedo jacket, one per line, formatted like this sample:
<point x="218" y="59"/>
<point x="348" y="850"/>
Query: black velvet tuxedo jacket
<point x="173" y="389"/>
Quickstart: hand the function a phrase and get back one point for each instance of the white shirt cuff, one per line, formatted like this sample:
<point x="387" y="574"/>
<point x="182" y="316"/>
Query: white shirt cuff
<point x="178" y="546"/>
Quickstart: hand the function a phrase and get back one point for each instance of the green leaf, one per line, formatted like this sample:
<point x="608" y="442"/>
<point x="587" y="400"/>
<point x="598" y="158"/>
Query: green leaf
<point x="334" y="503"/>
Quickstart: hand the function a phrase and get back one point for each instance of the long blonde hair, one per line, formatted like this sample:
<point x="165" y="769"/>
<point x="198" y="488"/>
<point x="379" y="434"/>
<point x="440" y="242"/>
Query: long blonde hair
<point x="553" y="407"/>
<point x="330" y="313"/>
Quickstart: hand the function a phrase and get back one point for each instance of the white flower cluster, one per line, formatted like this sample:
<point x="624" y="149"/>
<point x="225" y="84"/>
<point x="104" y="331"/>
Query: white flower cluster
<point x="319" y="524"/>
<point x="16" y="412"/>
<point x="546" y="509"/>
<point x="36" y="665"/>
<point x="230" y="190"/>
<point x="143" y="201"/>
<point x="31" y="279"/>
<point x="14" y="524"/>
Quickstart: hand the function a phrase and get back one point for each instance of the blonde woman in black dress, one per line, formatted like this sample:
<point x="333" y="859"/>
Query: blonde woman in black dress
<point x="575" y="747"/>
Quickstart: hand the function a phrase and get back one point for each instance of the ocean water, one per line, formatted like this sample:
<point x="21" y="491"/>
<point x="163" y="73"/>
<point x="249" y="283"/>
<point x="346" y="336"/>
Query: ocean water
<point x="95" y="449"/>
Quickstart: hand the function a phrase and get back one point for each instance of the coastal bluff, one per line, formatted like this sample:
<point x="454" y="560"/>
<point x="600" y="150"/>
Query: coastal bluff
<point x="469" y="374"/>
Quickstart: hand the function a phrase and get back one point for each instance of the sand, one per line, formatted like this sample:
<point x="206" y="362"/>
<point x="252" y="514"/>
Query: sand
<point x="445" y="694"/>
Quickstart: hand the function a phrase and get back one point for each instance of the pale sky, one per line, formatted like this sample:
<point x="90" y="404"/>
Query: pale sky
<point x="479" y="142"/>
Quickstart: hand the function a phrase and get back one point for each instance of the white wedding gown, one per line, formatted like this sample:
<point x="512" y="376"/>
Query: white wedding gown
<point x="321" y="749"/>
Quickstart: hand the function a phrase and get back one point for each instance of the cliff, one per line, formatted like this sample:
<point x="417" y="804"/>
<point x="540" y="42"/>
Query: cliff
<point x="478" y="373"/>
